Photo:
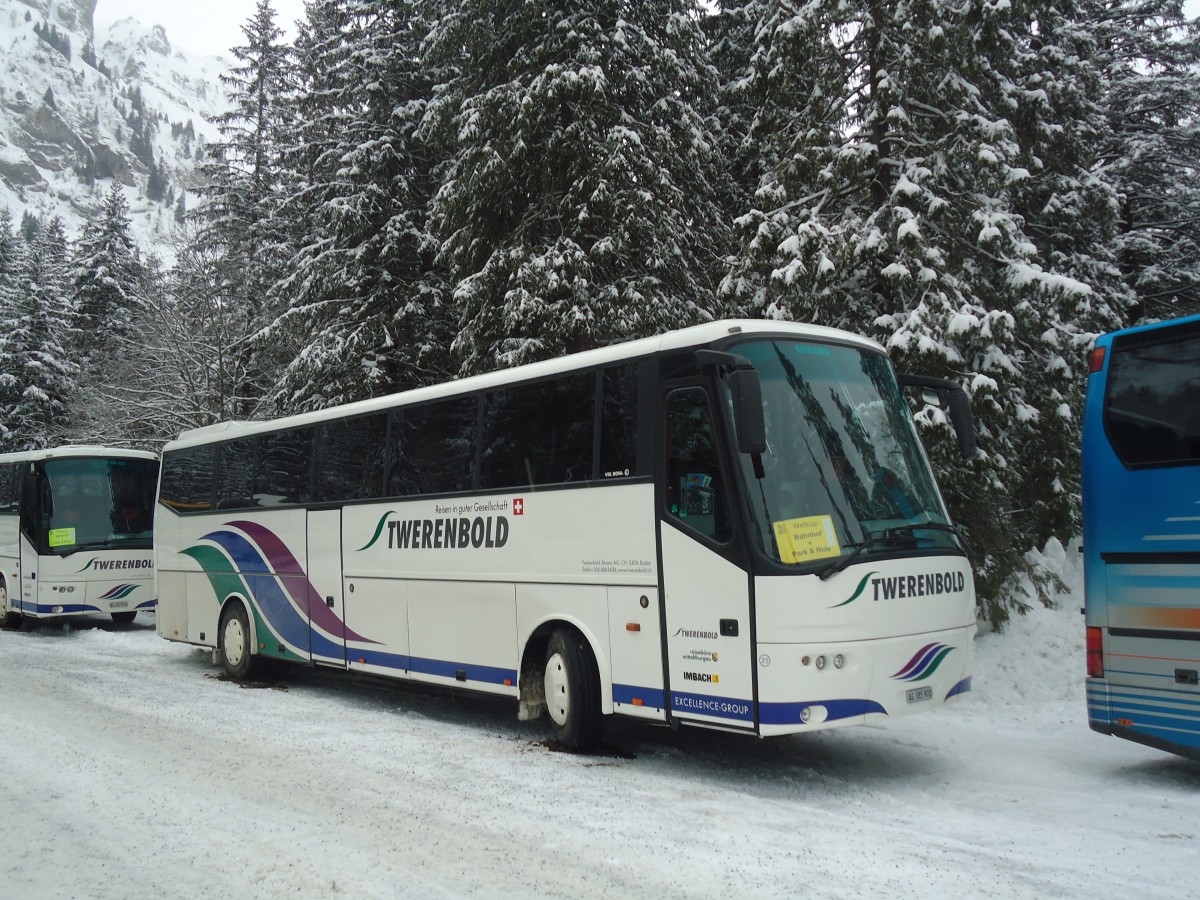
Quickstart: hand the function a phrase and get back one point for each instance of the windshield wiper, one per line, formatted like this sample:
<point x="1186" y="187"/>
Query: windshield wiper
<point x="114" y="543"/>
<point x="934" y="526"/>
<point x="896" y="536"/>
<point x="882" y="539"/>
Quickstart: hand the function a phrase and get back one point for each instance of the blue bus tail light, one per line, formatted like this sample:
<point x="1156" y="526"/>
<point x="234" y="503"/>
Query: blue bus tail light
<point x="1095" y="360"/>
<point x="1095" y="653"/>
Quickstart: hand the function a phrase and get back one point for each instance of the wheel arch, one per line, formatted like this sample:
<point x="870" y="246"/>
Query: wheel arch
<point x="9" y="619"/>
<point x="533" y="658"/>
<point x="251" y="619"/>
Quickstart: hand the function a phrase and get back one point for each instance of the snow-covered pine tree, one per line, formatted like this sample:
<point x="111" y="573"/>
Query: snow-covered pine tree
<point x="1150" y="57"/>
<point x="892" y="213"/>
<point x="1069" y="209"/>
<point x="107" y="290"/>
<point x="580" y="203"/>
<point x="12" y="263"/>
<point x="789" y="95"/>
<point x="46" y="374"/>
<point x="239" y="205"/>
<point x="363" y="296"/>
<point x="734" y="32"/>
<point x="106" y="280"/>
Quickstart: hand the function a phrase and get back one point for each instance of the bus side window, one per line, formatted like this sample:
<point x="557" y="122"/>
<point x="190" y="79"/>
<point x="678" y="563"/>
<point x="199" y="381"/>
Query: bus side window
<point x="695" y="484"/>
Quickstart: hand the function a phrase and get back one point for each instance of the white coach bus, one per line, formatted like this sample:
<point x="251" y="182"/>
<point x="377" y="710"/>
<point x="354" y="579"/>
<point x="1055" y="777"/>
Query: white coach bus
<point x="76" y="525"/>
<point x="730" y="526"/>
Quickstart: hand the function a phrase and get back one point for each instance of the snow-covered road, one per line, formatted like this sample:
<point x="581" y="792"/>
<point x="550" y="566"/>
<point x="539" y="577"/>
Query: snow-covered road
<point x="132" y="770"/>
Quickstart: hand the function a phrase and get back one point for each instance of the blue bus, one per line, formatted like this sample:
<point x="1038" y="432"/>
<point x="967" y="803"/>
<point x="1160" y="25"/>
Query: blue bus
<point x="1141" y="535"/>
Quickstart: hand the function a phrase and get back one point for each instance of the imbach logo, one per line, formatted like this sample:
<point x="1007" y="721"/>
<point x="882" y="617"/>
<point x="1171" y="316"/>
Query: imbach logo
<point x="455" y="533"/>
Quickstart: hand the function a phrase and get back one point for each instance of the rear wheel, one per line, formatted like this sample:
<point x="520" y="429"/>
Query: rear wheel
<point x="573" y="691"/>
<point x="233" y="640"/>
<point x="124" y="618"/>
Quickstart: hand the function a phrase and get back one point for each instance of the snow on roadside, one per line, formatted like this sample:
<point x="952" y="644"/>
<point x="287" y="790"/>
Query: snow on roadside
<point x="132" y="769"/>
<point x="1039" y="657"/>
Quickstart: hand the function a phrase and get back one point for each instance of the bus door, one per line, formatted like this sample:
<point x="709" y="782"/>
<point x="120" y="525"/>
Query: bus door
<point x="27" y="598"/>
<point x="326" y="612"/>
<point x="706" y="596"/>
<point x="35" y="493"/>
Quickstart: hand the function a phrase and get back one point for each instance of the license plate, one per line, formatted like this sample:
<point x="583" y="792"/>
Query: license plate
<point x="121" y="604"/>
<point x="918" y="695"/>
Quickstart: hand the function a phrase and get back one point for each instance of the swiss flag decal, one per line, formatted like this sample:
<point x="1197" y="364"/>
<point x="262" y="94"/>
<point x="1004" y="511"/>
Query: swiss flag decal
<point x="518" y="507"/>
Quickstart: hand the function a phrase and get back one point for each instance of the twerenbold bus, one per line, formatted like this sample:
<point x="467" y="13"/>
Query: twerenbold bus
<point x="731" y="526"/>
<point x="75" y="533"/>
<point x="1141" y="535"/>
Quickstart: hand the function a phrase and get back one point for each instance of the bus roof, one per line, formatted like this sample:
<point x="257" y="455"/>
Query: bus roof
<point x="695" y="336"/>
<point x="76" y="451"/>
<point x="1151" y="326"/>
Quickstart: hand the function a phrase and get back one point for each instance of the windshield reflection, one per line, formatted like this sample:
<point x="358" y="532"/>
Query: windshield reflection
<point x="843" y="462"/>
<point x="98" y="503"/>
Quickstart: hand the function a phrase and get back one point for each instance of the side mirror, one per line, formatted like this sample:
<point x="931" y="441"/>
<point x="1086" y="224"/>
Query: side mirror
<point x="748" y="421"/>
<point x="745" y="391"/>
<point x="960" y="408"/>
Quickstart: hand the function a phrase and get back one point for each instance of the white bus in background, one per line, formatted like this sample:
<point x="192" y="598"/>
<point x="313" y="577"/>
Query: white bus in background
<point x="730" y="526"/>
<point x="76" y="525"/>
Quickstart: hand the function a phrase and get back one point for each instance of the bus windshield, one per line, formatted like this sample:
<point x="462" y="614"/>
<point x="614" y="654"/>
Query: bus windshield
<point x="98" y="503"/>
<point x="845" y="474"/>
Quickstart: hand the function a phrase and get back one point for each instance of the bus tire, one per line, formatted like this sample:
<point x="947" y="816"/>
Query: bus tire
<point x="8" y="618"/>
<point x="233" y="640"/>
<point x="573" y="691"/>
<point x="124" y="618"/>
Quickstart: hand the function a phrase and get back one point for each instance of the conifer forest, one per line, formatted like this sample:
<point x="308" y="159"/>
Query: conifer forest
<point x="417" y="190"/>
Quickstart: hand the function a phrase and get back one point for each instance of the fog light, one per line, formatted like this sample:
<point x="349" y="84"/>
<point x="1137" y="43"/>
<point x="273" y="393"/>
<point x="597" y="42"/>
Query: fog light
<point x="820" y="662"/>
<point x="839" y="661"/>
<point x="805" y="715"/>
<point x="57" y="609"/>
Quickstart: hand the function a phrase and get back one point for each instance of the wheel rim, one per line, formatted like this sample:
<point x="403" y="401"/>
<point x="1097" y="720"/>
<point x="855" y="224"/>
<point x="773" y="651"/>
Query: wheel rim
<point x="558" y="695"/>
<point x="235" y="641"/>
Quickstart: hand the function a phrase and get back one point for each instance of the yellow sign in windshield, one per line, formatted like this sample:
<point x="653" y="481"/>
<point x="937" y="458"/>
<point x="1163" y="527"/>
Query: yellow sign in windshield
<point x="60" y="537"/>
<point x="803" y="540"/>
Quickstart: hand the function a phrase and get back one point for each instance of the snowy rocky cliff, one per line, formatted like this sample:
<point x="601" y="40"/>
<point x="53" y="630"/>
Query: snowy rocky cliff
<point x="80" y="108"/>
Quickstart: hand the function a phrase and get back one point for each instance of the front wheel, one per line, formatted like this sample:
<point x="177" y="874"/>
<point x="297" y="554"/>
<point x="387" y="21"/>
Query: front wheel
<point x="573" y="691"/>
<point x="124" y="618"/>
<point x="8" y="618"/>
<point x="233" y="640"/>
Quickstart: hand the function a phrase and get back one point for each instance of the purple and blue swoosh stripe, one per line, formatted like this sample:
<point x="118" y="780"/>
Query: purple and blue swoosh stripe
<point x="265" y="563"/>
<point x="924" y="662"/>
<point x="119" y="592"/>
<point x="307" y="597"/>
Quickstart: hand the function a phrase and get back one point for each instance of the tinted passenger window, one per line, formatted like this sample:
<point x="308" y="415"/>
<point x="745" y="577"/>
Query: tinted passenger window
<point x="350" y="458"/>
<point x="282" y="475"/>
<point x="236" y="489"/>
<point x="539" y="433"/>
<point x="8" y="477"/>
<point x="434" y="447"/>
<point x="619" y="422"/>
<point x="1151" y="414"/>
<point x="187" y="479"/>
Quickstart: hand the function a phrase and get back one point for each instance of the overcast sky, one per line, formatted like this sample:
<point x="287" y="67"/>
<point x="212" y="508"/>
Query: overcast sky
<point x="207" y="27"/>
<point x="213" y="26"/>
